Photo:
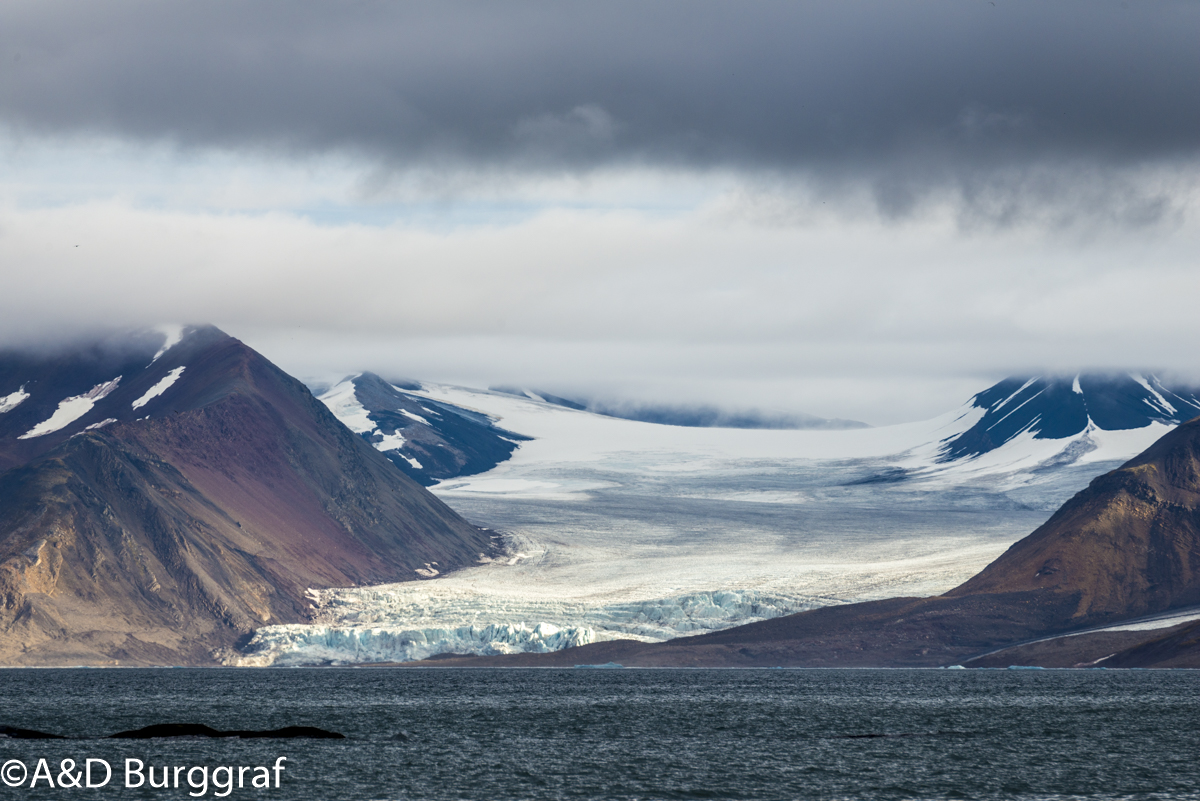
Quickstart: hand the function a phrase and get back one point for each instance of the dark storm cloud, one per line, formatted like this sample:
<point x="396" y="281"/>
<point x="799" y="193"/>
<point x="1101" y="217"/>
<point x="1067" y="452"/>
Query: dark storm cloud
<point x="903" y="94"/>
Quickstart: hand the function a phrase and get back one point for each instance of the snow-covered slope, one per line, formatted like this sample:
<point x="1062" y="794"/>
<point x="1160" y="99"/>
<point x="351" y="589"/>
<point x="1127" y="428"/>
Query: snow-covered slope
<point x="689" y="415"/>
<point x="1060" y="408"/>
<point x="617" y="528"/>
<point x="427" y="439"/>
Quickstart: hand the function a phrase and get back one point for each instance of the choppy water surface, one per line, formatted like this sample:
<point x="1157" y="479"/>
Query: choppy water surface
<point x="635" y="734"/>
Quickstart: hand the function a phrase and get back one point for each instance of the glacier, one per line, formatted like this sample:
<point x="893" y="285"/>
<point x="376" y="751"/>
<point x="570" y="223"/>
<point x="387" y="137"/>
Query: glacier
<point x="304" y="644"/>
<point x="394" y="623"/>
<point x="608" y="528"/>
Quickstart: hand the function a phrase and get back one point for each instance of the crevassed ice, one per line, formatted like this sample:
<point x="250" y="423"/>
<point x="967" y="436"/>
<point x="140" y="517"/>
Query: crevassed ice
<point x="402" y="622"/>
<point x="12" y="401"/>
<point x="159" y="388"/>
<point x="71" y="409"/>
<point x="316" y="645"/>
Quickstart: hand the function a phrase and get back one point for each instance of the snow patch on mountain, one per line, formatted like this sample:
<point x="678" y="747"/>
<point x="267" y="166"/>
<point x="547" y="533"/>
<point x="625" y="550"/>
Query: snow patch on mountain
<point x="344" y="404"/>
<point x="1160" y="404"/>
<point x="71" y="409"/>
<point x="342" y="400"/>
<point x="13" y="400"/>
<point x="390" y="442"/>
<point x="426" y="440"/>
<point x="162" y="386"/>
<point x="564" y="436"/>
<point x="1026" y="459"/>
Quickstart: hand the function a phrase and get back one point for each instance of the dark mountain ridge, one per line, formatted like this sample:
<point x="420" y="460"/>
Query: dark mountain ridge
<point x="1058" y="407"/>
<point x="200" y="515"/>
<point x="428" y="440"/>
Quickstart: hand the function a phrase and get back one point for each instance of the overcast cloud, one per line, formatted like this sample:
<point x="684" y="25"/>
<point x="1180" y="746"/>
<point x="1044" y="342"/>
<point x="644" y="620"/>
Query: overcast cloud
<point x="796" y="202"/>
<point x="905" y="94"/>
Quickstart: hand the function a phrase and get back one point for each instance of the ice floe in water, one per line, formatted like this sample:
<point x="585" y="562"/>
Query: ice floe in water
<point x="71" y="409"/>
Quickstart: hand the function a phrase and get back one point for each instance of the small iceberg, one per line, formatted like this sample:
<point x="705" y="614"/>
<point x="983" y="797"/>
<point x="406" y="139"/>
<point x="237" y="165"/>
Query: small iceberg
<point x="1025" y="667"/>
<point x="605" y="666"/>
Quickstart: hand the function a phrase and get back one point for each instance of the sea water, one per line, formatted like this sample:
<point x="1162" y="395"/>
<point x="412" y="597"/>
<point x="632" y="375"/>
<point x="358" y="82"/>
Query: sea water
<point x="489" y="735"/>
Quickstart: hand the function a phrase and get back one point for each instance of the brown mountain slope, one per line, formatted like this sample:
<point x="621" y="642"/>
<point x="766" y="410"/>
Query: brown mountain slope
<point x="156" y="541"/>
<point x="1179" y="647"/>
<point x="1125" y="546"/>
<point x="1128" y="544"/>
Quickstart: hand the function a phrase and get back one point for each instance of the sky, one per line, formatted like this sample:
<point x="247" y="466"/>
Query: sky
<point x="863" y="210"/>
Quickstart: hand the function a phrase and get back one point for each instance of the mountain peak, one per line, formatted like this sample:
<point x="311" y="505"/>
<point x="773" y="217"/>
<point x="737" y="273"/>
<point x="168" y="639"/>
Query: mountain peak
<point x="46" y="398"/>
<point x="1058" y="407"/>
<point x="169" y="504"/>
